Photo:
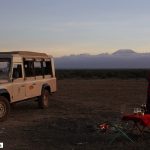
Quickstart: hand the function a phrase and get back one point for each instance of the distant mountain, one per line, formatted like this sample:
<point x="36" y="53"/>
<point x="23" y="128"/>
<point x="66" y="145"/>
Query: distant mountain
<point x="124" y="52"/>
<point x="123" y="59"/>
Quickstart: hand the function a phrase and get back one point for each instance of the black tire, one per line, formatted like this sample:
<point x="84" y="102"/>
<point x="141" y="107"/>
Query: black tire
<point x="44" y="99"/>
<point x="4" y="108"/>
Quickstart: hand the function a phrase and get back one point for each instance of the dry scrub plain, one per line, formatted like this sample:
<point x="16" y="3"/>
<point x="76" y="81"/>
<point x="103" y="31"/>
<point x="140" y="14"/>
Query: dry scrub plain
<point x="74" y="112"/>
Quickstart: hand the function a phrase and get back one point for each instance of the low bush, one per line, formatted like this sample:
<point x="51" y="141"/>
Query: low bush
<point x="102" y="73"/>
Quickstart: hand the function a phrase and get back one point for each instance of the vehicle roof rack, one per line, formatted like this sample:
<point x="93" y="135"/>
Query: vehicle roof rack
<point x="26" y="53"/>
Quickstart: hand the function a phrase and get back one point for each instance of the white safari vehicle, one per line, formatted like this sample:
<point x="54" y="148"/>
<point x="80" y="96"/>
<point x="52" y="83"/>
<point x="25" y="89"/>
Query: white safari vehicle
<point x="25" y="75"/>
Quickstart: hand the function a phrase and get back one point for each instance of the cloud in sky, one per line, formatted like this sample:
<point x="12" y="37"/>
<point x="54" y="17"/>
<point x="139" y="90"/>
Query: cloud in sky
<point x="74" y="26"/>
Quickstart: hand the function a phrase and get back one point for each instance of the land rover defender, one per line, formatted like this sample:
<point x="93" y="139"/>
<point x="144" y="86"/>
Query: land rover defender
<point x="25" y="75"/>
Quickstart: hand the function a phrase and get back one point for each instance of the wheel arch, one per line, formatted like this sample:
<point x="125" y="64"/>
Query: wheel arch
<point x="47" y="87"/>
<point x="5" y="93"/>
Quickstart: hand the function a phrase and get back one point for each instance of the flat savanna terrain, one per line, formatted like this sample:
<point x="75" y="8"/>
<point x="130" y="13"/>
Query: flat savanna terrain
<point x="75" y="111"/>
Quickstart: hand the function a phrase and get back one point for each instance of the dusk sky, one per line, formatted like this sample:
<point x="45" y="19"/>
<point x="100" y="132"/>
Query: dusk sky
<point x="64" y="27"/>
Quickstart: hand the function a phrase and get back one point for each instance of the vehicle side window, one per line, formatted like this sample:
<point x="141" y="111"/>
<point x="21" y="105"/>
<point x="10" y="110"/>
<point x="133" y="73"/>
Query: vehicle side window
<point x="17" y="71"/>
<point x="29" y="68"/>
<point x="47" y="68"/>
<point x="38" y="68"/>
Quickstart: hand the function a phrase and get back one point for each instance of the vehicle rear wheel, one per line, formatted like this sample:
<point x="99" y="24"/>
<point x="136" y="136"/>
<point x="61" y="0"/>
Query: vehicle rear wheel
<point x="44" y="99"/>
<point x="4" y="108"/>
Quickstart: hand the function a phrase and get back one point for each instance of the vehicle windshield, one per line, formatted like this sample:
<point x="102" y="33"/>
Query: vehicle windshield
<point x="4" y="68"/>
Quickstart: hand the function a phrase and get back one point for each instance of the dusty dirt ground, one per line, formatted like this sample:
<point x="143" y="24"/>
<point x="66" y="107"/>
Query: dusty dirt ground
<point x="70" y="121"/>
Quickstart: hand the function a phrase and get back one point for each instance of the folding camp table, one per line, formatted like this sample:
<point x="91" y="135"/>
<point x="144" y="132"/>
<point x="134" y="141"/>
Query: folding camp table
<point x="140" y="122"/>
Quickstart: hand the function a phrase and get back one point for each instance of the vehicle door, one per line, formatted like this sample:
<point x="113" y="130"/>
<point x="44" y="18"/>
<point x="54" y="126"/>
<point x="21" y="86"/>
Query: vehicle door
<point x="30" y="80"/>
<point x="18" y="82"/>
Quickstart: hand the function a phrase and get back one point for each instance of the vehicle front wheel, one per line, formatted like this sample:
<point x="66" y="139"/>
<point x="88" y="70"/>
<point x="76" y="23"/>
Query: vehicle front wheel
<point x="4" y="108"/>
<point x="44" y="99"/>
